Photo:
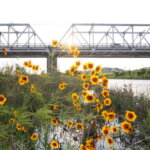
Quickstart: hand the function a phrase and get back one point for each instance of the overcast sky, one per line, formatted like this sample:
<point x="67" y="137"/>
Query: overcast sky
<point x="51" y="18"/>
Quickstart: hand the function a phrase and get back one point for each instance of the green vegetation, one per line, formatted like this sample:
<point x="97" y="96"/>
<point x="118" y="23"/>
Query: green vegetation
<point x="36" y="109"/>
<point x="136" y="74"/>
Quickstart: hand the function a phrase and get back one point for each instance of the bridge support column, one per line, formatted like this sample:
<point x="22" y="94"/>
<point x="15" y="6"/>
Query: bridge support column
<point x="51" y="62"/>
<point x="48" y="63"/>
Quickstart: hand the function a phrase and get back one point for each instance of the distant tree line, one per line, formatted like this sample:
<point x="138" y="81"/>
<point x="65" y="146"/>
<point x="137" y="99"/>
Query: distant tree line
<point x="136" y="74"/>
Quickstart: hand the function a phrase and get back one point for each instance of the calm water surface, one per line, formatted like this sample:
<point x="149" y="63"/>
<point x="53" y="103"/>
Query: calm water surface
<point x="138" y="86"/>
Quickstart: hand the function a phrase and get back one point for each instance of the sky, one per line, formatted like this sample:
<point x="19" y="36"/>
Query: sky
<point x="51" y="18"/>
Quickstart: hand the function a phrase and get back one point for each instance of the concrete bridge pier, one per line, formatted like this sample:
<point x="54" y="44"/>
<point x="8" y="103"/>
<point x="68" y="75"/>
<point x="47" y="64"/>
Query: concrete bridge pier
<point x="52" y="61"/>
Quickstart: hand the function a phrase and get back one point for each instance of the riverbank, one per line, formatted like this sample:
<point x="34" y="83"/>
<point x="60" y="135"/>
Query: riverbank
<point x="44" y="103"/>
<point x="135" y="74"/>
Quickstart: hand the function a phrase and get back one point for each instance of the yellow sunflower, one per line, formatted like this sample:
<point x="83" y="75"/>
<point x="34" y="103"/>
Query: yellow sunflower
<point x="54" y="121"/>
<point x="93" y="73"/>
<point x="105" y="130"/>
<point x="75" y="96"/>
<point x="54" y="43"/>
<point x="11" y="120"/>
<point x="24" y="129"/>
<point x="33" y="88"/>
<point x="18" y="126"/>
<point x="76" y="53"/>
<point x="62" y="47"/>
<point x="70" y="123"/>
<point x="105" y="114"/>
<point x="55" y="107"/>
<point x="23" y="80"/>
<point x="82" y="147"/>
<point x="99" y="107"/>
<point x="34" y="136"/>
<point x="83" y="77"/>
<point x="78" y="107"/>
<point x="94" y="79"/>
<point x="84" y="93"/>
<point x="127" y="127"/>
<point x="90" y="65"/>
<point x="130" y="116"/>
<point x="30" y="65"/>
<point x="79" y="126"/>
<point x="114" y="130"/>
<point x="15" y="113"/>
<point x="35" y="67"/>
<point x="90" y="143"/>
<point x="85" y="85"/>
<point x="107" y="101"/>
<point x="105" y="94"/>
<point x="85" y="67"/>
<point x="104" y="82"/>
<point x="72" y="48"/>
<point x="17" y="72"/>
<point x="99" y="138"/>
<point x="75" y="103"/>
<point x="79" y="74"/>
<point x="72" y="70"/>
<point x="89" y="98"/>
<point x="2" y="99"/>
<point x="98" y="68"/>
<point x="54" y="144"/>
<point x="62" y="86"/>
<point x="78" y="63"/>
<point x="111" y="116"/>
<point x="26" y="63"/>
<point x="110" y="141"/>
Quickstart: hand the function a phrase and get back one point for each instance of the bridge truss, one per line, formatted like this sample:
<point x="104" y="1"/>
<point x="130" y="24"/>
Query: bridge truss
<point x="110" y="39"/>
<point x="20" y="38"/>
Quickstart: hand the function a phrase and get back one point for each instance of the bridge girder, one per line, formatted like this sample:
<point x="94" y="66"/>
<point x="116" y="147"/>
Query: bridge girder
<point x="109" y="38"/>
<point x="19" y="37"/>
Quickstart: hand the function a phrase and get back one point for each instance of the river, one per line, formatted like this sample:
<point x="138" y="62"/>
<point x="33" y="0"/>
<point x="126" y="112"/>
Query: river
<point x="138" y="86"/>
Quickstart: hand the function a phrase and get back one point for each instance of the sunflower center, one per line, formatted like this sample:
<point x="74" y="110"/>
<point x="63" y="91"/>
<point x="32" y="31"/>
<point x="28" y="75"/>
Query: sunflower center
<point x="111" y="116"/>
<point x="95" y="79"/>
<point x="107" y="101"/>
<point x="86" y="85"/>
<point x="90" y="66"/>
<point x="55" y="42"/>
<point x="105" y="81"/>
<point x="34" y="136"/>
<point x="1" y="99"/>
<point x="79" y="126"/>
<point x="105" y="93"/>
<point x="90" y="98"/>
<point x="109" y="141"/>
<point x="54" y="144"/>
<point x="105" y="131"/>
<point x="84" y="76"/>
<point x="126" y="126"/>
<point x="114" y="129"/>
<point x="97" y="69"/>
<point x="130" y="115"/>
<point x="24" y="78"/>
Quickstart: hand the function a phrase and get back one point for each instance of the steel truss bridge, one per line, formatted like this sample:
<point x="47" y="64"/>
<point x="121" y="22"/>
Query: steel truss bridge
<point x="93" y="40"/>
<point x="21" y="39"/>
<point x="110" y="40"/>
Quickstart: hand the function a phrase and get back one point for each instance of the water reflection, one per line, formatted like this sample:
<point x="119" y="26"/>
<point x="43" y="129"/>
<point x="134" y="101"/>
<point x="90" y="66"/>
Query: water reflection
<point x="138" y="86"/>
